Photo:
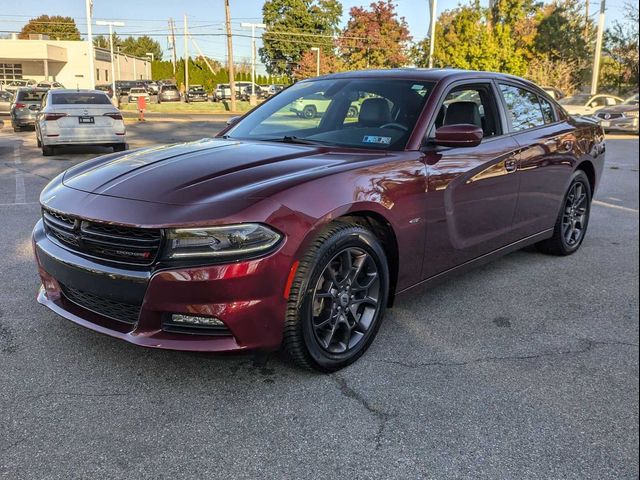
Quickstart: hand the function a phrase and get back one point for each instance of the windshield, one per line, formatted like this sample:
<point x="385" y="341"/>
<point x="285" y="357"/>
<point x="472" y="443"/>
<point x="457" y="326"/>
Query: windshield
<point x="575" y="100"/>
<point x="631" y="100"/>
<point x="358" y="113"/>
<point x="167" y="88"/>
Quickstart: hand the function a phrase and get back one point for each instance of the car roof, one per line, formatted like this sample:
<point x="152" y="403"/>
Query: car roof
<point x="428" y="74"/>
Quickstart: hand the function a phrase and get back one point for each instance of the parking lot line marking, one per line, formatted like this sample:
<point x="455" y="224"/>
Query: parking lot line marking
<point x="618" y="207"/>
<point x="20" y="192"/>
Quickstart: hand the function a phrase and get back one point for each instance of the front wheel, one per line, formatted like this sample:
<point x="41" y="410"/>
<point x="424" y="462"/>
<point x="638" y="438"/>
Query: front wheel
<point x="337" y="299"/>
<point x="573" y="219"/>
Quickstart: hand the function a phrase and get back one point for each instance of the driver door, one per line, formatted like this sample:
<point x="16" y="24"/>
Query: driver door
<point x="471" y="191"/>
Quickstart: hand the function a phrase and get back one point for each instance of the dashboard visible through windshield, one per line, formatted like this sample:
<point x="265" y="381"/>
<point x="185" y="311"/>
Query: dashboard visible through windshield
<point x="356" y="113"/>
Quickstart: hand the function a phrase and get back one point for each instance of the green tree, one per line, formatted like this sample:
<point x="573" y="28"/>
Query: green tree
<point x="561" y="37"/>
<point x="467" y="39"/>
<point x="102" y="41"/>
<point x="375" y="38"/>
<point x="57" y="27"/>
<point x="621" y="45"/>
<point x="140" y="46"/>
<point x="284" y="40"/>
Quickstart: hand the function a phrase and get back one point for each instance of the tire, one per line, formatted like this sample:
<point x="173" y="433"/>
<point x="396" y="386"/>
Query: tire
<point x="17" y="128"/>
<point x="119" y="147"/>
<point x="47" y="151"/>
<point x="318" y="333"/>
<point x="38" y="141"/>
<point x="573" y="219"/>
<point x="309" y="111"/>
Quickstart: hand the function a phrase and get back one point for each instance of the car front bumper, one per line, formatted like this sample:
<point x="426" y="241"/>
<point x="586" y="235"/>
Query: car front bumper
<point x="239" y="294"/>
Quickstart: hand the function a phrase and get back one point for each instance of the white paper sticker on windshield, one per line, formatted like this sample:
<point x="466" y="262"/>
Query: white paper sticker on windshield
<point x="376" y="139"/>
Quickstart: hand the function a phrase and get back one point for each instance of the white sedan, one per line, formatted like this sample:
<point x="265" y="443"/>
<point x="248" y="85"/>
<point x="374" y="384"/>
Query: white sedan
<point x="586" y="104"/>
<point x="79" y="117"/>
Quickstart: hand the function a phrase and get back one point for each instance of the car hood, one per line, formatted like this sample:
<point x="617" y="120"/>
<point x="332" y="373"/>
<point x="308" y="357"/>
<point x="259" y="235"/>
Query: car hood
<point x="619" y="109"/>
<point x="206" y="171"/>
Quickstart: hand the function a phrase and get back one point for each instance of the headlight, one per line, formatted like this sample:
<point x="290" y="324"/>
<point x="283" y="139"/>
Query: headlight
<point x="241" y="240"/>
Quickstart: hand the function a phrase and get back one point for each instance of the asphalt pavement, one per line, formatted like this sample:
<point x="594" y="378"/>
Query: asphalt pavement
<point x="526" y="368"/>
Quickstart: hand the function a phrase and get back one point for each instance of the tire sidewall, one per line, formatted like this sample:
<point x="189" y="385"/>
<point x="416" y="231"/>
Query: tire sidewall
<point x="366" y="241"/>
<point x="578" y="176"/>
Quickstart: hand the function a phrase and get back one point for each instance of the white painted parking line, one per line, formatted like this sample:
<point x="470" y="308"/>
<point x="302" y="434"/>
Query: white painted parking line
<point x="617" y="207"/>
<point x="20" y="191"/>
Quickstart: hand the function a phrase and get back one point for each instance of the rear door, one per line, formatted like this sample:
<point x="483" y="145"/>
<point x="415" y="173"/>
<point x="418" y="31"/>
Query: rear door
<point x="472" y="192"/>
<point x="547" y="154"/>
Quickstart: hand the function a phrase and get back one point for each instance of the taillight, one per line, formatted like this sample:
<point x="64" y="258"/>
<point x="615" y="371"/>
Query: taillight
<point x="54" y="116"/>
<point x="115" y="116"/>
<point x="21" y="105"/>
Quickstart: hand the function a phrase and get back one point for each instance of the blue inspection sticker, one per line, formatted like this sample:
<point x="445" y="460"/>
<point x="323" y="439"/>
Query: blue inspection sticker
<point x="376" y="139"/>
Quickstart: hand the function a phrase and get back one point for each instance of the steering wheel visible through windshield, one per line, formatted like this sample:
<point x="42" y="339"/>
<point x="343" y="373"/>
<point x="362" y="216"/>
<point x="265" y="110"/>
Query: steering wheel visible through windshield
<point x="356" y="113"/>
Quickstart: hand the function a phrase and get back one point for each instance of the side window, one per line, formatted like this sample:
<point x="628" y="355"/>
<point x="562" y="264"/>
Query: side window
<point x="599" y="102"/>
<point x="473" y="104"/>
<point x="523" y="106"/>
<point x="548" y="112"/>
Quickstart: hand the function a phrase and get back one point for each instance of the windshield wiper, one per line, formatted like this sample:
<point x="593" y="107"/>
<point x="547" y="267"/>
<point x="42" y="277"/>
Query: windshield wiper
<point x="297" y="140"/>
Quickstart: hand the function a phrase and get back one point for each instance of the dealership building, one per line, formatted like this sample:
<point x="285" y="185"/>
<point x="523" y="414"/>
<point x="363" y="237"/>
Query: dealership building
<point x="66" y="62"/>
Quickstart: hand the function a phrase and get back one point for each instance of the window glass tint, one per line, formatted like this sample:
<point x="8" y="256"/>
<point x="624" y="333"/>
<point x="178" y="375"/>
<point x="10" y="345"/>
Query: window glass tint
<point x="80" y="98"/>
<point x="524" y="107"/>
<point x="166" y="88"/>
<point x="30" y="95"/>
<point x="471" y="104"/>
<point x="547" y="111"/>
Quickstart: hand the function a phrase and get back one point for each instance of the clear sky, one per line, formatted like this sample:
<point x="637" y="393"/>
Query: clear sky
<point x="207" y="17"/>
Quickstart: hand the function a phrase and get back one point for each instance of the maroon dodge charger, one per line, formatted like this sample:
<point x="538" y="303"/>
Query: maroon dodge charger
<point x="299" y="230"/>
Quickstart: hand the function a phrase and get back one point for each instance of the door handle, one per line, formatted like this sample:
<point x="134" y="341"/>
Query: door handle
<point x="511" y="165"/>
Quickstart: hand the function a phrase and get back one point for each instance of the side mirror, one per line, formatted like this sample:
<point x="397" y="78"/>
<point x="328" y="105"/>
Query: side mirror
<point x="233" y="120"/>
<point x="461" y="135"/>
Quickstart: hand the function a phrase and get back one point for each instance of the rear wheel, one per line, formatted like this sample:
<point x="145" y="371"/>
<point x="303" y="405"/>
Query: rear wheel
<point x="309" y="111"/>
<point x="337" y="298"/>
<point x="573" y="219"/>
<point x="17" y="128"/>
<point x="47" y="151"/>
<point x="119" y="147"/>
<point x="38" y="140"/>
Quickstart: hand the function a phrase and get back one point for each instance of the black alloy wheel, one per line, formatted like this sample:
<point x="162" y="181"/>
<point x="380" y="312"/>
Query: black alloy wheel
<point x="346" y="300"/>
<point x="573" y="219"/>
<point x="337" y="299"/>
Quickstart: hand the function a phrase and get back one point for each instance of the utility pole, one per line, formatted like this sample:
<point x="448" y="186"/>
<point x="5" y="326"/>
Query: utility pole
<point x="92" y="69"/>
<point x="113" y="67"/>
<point x="253" y="26"/>
<point x="186" y="57"/>
<point x="317" y="50"/>
<point x="432" y="30"/>
<point x="598" y="52"/>
<point x="232" y="82"/>
<point x="586" y="21"/>
<point x="172" y="36"/>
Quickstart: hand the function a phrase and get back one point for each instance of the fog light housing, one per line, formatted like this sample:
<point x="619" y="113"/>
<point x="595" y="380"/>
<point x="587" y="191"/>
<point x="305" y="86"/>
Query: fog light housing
<point x="181" y="319"/>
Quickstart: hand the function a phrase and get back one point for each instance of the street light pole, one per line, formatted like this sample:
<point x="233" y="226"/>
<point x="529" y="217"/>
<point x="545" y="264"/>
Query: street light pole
<point x="253" y="26"/>
<point x="598" y="52"/>
<point x="113" y="68"/>
<point x="432" y="30"/>
<point x="153" y="57"/>
<point x="92" y="69"/>
<point x="317" y="50"/>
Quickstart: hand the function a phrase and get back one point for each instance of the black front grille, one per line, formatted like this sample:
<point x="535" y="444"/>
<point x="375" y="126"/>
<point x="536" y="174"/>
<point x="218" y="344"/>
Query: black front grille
<point x="130" y="245"/>
<point x="120" y="311"/>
